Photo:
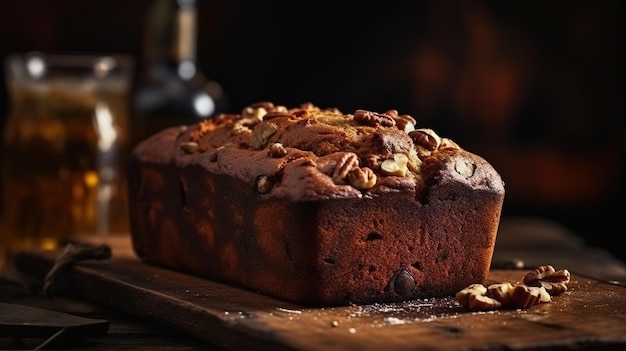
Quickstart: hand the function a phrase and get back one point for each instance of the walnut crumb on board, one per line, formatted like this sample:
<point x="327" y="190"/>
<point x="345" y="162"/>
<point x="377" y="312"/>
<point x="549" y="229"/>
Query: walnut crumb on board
<point x="538" y="286"/>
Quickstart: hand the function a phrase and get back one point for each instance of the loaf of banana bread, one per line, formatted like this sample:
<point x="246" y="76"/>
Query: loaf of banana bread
<point x="315" y="206"/>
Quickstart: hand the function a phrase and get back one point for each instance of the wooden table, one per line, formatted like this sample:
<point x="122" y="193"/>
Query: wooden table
<point x="156" y="309"/>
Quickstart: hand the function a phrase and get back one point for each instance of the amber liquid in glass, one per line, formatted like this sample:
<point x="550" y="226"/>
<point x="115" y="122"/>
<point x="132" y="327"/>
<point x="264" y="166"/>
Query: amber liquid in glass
<point x="64" y="162"/>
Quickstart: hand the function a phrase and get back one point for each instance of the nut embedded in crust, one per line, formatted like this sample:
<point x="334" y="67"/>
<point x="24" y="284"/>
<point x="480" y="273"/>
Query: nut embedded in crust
<point x="362" y="178"/>
<point x="448" y="144"/>
<point x="426" y="138"/>
<point x="405" y="122"/>
<point x="264" y="184"/>
<point x="253" y="114"/>
<point x="261" y="133"/>
<point x="396" y="166"/>
<point x="372" y="119"/>
<point x="277" y="150"/>
<point x="189" y="147"/>
<point x="347" y="163"/>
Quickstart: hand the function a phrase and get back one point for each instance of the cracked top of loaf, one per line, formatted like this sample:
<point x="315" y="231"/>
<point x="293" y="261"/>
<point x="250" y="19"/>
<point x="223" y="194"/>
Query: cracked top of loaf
<point x="311" y="153"/>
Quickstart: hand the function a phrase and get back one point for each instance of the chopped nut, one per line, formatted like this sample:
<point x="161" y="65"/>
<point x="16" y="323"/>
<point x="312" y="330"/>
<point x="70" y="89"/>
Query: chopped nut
<point x="504" y="295"/>
<point x="280" y="108"/>
<point x="426" y="138"/>
<point x="362" y="178"/>
<point x="538" y="274"/>
<point x="189" y="147"/>
<point x="422" y="151"/>
<point x="544" y="295"/>
<point x="392" y="113"/>
<point x="396" y="166"/>
<point x="261" y="134"/>
<point x="555" y="282"/>
<point x="483" y="303"/>
<point x="277" y="150"/>
<point x="525" y="296"/>
<point x="501" y="292"/>
<point x="465" y="168"/>
<point x="264" y="184"/>
<point x="252" y="115"/>
<point x="518" y="295"/>
<point x="463" y="296"/>
<point x="373" y="119"/>
<point x="308" y="106"/>
<point x="405" y="122"/>
<point x="347" y="163"/>
<point x="414" y="162"/>
<point x="448" y="144"/>
<point x="474" y="298"/>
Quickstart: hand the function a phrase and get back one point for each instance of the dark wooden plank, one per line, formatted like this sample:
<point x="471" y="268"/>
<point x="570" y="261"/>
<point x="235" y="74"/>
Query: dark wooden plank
<point x="125" y="333"/>
<point x="592" y="313"/>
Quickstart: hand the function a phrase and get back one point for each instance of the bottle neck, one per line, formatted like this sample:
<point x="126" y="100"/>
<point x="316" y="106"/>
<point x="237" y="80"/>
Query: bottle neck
<point x="171" y="37"/>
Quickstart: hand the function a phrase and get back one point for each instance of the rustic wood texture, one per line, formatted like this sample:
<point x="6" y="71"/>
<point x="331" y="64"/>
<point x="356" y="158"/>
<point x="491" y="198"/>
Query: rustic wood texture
<point x="126" y="332"/>
<point x="591" y="314"/>
<point x="27" y="321"/>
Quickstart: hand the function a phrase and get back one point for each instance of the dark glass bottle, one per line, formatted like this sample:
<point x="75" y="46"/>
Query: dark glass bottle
<point x="170" y="90"/>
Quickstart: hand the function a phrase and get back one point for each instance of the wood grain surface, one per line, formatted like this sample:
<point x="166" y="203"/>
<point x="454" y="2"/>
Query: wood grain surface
<point x="591" y="314"/>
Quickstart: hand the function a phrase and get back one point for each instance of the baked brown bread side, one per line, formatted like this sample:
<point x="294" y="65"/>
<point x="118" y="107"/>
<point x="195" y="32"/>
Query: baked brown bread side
<point x="315" y="206"/>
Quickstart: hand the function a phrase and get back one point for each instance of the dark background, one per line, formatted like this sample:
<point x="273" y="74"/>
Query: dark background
<point x="535" y="87"/>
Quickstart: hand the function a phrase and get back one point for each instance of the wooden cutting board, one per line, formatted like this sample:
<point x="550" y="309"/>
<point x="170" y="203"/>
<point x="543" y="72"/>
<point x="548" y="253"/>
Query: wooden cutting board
<point x="591" y="314"/>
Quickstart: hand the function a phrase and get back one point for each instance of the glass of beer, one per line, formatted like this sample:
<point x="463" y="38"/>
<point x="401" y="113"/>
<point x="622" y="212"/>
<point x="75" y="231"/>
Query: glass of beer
<point x="66" y="143"/>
